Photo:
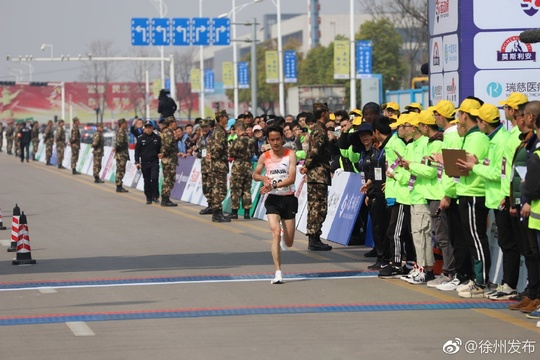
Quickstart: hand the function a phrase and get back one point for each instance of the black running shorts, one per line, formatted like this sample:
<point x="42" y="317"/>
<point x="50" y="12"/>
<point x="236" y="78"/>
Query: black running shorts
<point x="285" y="206"/>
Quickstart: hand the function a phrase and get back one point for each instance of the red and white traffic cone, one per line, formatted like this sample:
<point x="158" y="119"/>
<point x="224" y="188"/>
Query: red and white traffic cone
<point x="14" y="229"/>
<point x="24" y="252"/>
<point x="2" y="227"/>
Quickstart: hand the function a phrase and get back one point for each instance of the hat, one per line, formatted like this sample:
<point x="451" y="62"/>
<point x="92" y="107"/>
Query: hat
<point x="427" y="117"/>
<point x="488" y="113"/>
<point x="148" y="123"/>
<point x="76" y="118"/>
<point x="169" y="120"/>
<point x="257" y="127"/>
<point x="248" y="114"/>
<point x="221" y="113"/>
<point x="357" y="120"/>
<point x="230" y="123"/>
<point x="355" y="112"/>
<point x="204" y="122"/>
<point x="514" y="100"/>
<point x="468" y="105"/>
<point x="332" y="116"/>
<point x="121" y="121"/>
<point x="444" y="107"/>
<point x="321" y="106"/>
<point x="414" y="105"/>
<point x="354" y="138"/>
<point x="410" y="118"/>
<point x="196" y="127"/>
<point x="399" y="121"/>
<point x="391" y="106"/>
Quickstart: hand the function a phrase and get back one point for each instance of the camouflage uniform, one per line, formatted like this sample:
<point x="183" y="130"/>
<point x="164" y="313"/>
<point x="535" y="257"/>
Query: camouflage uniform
<point x="35" y="140"/>
<point x="49" y="141"/>
<point x="97" y="145"/>
<point x="1" y="136"/>
<point x="121" y="155"/>
<point x="169" y="160"/>
<point x="203" y="146"/>
<point x="60" y="144"/>
<point x="219" y="166"/>
<point x="10" y="132"/>
<point x="75" y="142"/>
<point x="242" y="150"/>
<point x="16" y="144"/>
<point x="318" y="178"/>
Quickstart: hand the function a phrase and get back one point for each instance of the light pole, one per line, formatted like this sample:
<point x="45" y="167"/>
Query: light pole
<point x="44" y="46"/>
<point x="280" y="59"/>
<point x="353" y="57"/>
<point x="201" y="69"/>
<point x="162" y="7"/>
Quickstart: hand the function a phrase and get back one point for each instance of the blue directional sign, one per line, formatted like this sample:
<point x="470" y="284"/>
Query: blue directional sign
<point x="364" y="58"/>
<point x="221" y="31"/>
<point x="161" y="31"/>
<point x="200" y="31"/>
<point x="140" y="31"/>
<point x="209" y="80"/>
<point x="243" y="75"/>
<point x="290" y="66"/>
<point x="181" y="31"/>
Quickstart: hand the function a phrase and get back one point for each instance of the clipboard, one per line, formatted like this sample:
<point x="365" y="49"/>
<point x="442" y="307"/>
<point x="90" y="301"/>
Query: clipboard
<point x="450" y="158"/>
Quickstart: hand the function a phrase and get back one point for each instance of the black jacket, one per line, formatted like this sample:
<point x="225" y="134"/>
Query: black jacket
<point x="147" y="149"/>
<point x="166" y="107"/>
<point x="25" y="135"/>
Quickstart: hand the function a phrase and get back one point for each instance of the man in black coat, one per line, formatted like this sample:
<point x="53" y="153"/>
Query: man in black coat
<point x="166" y="107"/>
<point x="147" y="155"/>
<point x="24" y="136"/>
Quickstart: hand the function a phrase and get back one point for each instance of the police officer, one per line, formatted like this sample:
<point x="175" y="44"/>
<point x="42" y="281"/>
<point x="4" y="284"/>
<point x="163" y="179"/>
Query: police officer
<point x="24" y="137"/>
<point x="169" y="160"/>
<point x="60" y="138"/>
<point x="75" y="142"/>
<point x="121" y="154"/>
<point x="203" y="146"/>
<point x="97" y="145"/>
<point x="147" y="155"/>
<point x="220" y="165"/>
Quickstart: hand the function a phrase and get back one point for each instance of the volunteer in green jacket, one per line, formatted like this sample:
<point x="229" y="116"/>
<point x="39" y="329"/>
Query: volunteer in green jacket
<point x="470" y="190"/>
<point x="510" y="106"/>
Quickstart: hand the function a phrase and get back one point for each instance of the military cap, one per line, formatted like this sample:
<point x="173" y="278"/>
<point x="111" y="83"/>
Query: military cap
<point x="121" y="121"/>
<point x="221" y="113"/>
<point x="321" y="106"/>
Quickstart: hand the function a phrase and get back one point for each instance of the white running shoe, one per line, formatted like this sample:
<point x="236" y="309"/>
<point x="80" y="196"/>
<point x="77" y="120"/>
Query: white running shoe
<point x="282" y="244"/>
<point x="473" y="291"/>
<point x="465" y="286"/>
<point x="503" y="292"/>
<point x="449" y="286"/>
<point x="278" y="279"/>
<point x="441" y="279"/>
<point x="414" y="272"/>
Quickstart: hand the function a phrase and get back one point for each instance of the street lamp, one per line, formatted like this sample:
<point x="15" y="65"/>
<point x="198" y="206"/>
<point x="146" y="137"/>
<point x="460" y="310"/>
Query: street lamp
<point x="201" y="69"/>
<point x="162" y="8"/>
<point x="353" y="57"/>
<point x="233" y="12"/>
<point x="44" y="46"/>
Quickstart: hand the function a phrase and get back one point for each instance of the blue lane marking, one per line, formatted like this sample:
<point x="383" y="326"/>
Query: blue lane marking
<point x="196" y="278"/>
<point x="301" y="309"/>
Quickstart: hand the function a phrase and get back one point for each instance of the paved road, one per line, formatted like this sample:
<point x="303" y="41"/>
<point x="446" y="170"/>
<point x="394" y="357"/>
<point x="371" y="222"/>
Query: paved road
<point x="118" y="279"/>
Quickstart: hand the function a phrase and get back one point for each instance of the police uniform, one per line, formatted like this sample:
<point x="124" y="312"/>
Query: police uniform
<point x="121" y="155"/>
<point x="24" y="137"/>
<point x="146" y="155"/>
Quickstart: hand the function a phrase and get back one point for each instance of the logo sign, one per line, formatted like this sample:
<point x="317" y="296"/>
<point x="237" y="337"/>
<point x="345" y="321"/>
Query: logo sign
<point x="243" y="75"/>
<point x="290" y="66"/>
<point x="451" y="87"/>
<point x="364" y="57"/>
<point x="436" y="54"/>
<point x="221" y="31"/>
<point x="209" y="80"/>
<point x="140" y="32"/>
<point x="160" y="31"/>
<point x="530" y="7"/>
<point x="442" y="9"/>
<point x="494" y="89"/>
<point x="514" y="50"/>
<point x="180" y="31"/>
<point x="199" y="31"/>
<point x="451" y="52"/>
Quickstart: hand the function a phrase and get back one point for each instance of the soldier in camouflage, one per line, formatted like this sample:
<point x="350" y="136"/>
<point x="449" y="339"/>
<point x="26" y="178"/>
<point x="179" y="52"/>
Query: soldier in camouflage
<point x="97" y="145"/>
<point x="18" y="128"/>
<point x="1" y="136"/>
<point x="169" y="160"/>
<point x="220" y="166"/>
<point x="35" y="139"/>
<point x="48" y="139"/>
<point x="75" y="142"/>
<point x="242" y="149"/>
<point x="60" y="138"/>
<point x="317" y="170"/>
<point x="10" y="133"/>
<point x="121" y="154"/>
<point x="203" y="146"/>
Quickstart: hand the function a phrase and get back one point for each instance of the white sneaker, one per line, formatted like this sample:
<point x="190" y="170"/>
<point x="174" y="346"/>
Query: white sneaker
<point x="473" y="291"/>
<point x="414" y="272"/>
<point x="278" y="279"/>
<point x="449" y="286"/>
<point x="503" y="292"/>
<point x="441" y="279"/>
<point x="465" y="286"/>
<point x="282" y="244"/>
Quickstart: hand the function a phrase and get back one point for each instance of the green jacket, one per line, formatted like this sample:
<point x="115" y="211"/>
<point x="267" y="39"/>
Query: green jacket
<point x="495" y="170"/>
<point x="394" y="144"/>
<point x="451" y="140"/>
<point x="429" y="187"/>
<point x="476" y="143"/>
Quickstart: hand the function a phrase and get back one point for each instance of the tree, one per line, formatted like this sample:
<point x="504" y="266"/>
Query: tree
<point x="386" y="51"/>
<point x="410" y="17"/>
<point x="138" y="69"/>
<point x="183" y="62"/>
<point x="99" y="74"/>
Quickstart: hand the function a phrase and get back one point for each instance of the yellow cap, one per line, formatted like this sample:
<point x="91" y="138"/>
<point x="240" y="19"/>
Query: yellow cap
<point x="357" y="120"/>
<point x="411" y="118"/>
<point x="444" y="107"/>
<point x="397" y="123"/>
<point x="488" y="113"/>
<point x="427" y="117"/>
<point x="332" y="116"/>
<point x="514" y="100"/>
<point x="468" y="105"/>
<point x="414" y="105"/>
<point x="355" y="112"/>
<point x="391" y="105"/>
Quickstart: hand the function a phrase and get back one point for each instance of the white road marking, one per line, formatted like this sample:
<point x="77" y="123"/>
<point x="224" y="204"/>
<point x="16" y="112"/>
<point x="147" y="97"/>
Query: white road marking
<point x="47" y="290"/>
<point x="79" y="328"/>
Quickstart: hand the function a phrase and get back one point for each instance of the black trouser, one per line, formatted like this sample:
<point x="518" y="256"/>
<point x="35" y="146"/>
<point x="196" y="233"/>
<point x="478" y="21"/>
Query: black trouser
<point x="528" y="247"/>
<point x="508" y="242"/>
<point x="473" y="213"/>
<point x="24" y="148"/>
<point x="380" y="215"/>
<point x="462" y="256"/>
<point x="150" y="172"/>
<point x="399" y="234"/>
